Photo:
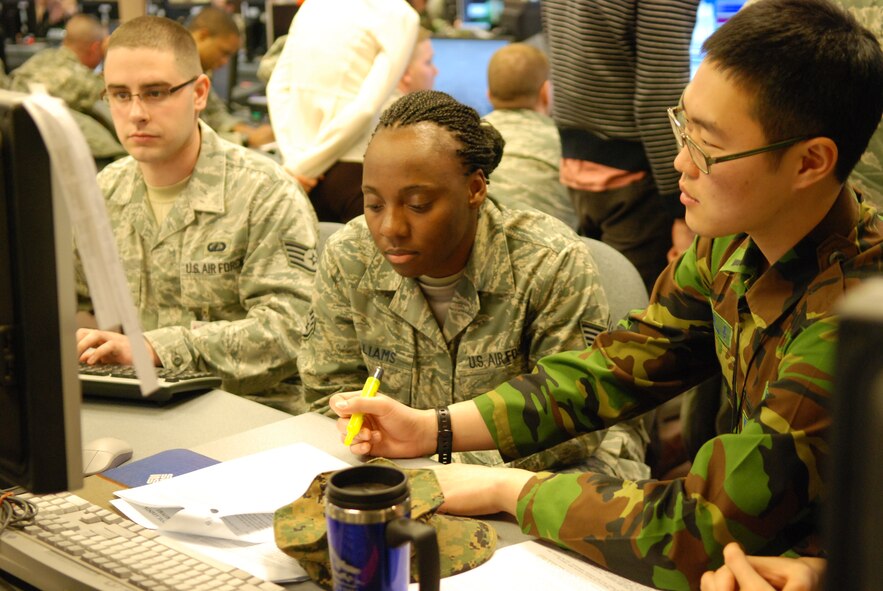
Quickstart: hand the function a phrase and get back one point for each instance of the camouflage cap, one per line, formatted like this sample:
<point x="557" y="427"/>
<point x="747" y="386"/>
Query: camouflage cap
<point x="300" y="531"/>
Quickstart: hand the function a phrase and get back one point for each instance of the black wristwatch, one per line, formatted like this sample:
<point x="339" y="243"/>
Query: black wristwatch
<point x="445" y="441"/>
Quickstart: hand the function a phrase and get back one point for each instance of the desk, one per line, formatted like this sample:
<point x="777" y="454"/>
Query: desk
<point x="223" y="426"/>
<point x="195" y="421"/>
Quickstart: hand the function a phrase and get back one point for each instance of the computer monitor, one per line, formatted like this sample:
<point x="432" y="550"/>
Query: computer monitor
<point x="279" y="14"/>
<point x="462" y="69"/>
<point x="107" y="13"/>
<point x="40" y="443"/>
<point x="710" y="15"/>
<point x="855" y="470"/>
<point x="479" y="14"/>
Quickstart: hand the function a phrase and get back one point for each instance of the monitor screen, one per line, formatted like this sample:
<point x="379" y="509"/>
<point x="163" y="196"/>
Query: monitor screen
<point x="462" y="69"/>
<point x="40" y="447"/>
<point x="279" y="15"/>
<point x="710" y="15"/>
<point x="479" y="14"/>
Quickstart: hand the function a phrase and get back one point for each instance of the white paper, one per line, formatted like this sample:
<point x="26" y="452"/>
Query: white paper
<point x="530" y="566"/>
<point x="264" y="561"/>
<point x="74" y="177"/>
<point x="225" y="511"/>
<point x="233" y="500"/>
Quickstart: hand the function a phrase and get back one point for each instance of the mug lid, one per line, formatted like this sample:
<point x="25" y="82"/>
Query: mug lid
<point x="367" y="487"/>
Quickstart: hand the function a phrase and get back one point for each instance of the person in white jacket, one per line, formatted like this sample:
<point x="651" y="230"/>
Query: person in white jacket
<point x="340" y="63"/>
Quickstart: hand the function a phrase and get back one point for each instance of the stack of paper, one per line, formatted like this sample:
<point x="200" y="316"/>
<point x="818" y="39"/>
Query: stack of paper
<point x="225" y="511"/>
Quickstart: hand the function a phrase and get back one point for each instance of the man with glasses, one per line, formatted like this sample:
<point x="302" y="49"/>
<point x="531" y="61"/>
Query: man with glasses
<point x="771" y="125"/>
<point x="217" y="241"/>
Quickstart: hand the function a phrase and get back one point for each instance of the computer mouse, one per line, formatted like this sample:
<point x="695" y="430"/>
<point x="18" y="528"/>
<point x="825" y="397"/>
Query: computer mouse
<point x="104" y="453"/>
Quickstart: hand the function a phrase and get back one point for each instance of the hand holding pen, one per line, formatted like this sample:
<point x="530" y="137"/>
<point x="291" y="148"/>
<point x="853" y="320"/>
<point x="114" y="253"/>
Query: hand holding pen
<point x="369" y="390"/>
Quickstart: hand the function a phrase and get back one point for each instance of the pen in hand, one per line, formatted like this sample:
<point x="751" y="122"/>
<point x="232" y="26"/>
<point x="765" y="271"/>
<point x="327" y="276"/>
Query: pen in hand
<point x="372" y="384"/>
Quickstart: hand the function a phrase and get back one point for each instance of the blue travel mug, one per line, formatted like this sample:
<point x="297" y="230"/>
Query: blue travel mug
<point x="367" y="509"/>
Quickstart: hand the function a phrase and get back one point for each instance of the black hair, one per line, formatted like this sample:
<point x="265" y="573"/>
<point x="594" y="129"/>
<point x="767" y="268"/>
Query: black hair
<point x="812" y="68"/>
<point x="482" y="145"/>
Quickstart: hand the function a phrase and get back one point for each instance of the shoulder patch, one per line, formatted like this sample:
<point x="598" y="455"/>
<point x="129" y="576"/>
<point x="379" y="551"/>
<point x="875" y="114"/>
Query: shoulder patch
<point x="590" y="330"/>
<point x="300" y="255"/>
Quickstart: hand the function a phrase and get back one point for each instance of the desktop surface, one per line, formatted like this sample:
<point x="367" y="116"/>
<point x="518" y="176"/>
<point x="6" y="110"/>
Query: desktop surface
<point x="224" y="427"/>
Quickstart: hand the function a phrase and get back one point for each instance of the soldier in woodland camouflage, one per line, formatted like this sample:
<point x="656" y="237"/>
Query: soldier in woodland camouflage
<point x="449" y="293"/>
<point x="217" y="242"/>
<point x="68" y="73"/>
<point x="520" y="91"/>
<point x="765" y="155"/>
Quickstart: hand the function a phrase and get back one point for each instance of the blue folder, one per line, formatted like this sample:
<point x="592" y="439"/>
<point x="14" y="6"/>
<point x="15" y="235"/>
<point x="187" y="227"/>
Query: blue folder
<point x="165" y="464"/>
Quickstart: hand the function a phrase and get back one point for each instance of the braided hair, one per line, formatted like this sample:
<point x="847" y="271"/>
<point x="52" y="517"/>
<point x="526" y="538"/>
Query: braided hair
<point x="482" y="145"/>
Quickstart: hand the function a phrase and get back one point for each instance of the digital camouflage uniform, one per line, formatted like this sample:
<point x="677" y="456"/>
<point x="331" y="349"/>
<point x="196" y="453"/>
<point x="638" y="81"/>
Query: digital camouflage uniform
<point x="66" y="77"/>
<point x="269" y="59"/>
<point x="219" y="118"/>
<point x="225" y="283"/>
<point x="762" y="483"/>
<point x="529" y="289"/>
<point x="527" y="176"/>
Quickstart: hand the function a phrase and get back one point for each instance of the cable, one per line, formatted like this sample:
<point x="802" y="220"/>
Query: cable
<point x="15" y="512"/>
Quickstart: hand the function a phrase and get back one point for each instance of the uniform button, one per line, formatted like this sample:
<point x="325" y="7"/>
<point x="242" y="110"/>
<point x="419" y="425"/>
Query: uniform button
<point x="177" y="361"/>
<point x="836" y="257"/>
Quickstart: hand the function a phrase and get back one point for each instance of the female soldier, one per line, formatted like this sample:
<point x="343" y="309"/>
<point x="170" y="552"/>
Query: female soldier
<point x="448" y="292"/>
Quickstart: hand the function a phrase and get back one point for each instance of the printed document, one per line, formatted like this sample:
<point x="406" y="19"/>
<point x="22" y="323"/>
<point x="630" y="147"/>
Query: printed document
<point x="225" y="511"/>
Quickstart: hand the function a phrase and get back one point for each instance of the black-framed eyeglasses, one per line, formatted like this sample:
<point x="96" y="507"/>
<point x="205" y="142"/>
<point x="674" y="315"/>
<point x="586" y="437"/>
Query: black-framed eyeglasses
<point x="150" y="96"/>
<point x="700" y="158"/>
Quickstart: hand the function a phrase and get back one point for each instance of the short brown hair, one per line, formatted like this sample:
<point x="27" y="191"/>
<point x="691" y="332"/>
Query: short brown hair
<point x="218" y="23"/>
<point x="515" y="75"/>
<point x="163" y="34"/>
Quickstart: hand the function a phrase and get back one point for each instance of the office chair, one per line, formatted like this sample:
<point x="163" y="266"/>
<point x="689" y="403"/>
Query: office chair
<point x="326" y="229"/>
<point x="620" y="279"/>
<point x="625" y="292"/>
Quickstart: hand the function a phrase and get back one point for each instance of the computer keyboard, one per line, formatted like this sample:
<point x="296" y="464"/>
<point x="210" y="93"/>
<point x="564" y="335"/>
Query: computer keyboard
<point x="74" y="544"/>
<point x="120" y="381"/>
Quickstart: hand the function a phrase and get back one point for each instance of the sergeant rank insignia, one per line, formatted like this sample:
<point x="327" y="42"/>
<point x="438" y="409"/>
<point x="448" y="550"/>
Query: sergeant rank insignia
<point x="300" y="255"/>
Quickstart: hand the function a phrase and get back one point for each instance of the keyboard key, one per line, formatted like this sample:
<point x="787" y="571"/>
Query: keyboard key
<point x="126" y="553"/>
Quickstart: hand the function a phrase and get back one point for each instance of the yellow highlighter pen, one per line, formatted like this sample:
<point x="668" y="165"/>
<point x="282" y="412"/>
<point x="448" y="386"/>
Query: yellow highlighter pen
<point x="369" y="390"/>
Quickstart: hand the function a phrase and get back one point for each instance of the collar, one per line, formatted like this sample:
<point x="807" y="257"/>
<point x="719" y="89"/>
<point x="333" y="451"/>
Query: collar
<point x="772" y="293"/>
<point x="205" y="191"/>
<point x="488" y="269"/>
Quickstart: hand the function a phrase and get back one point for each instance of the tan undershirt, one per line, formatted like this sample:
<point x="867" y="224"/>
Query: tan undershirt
<point x="162" y="199"/>
<point x="439" y="291"/>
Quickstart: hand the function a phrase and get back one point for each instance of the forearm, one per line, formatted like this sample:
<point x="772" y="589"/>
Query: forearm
<point x="265" y="345"/>
<point x="469" y="429"/>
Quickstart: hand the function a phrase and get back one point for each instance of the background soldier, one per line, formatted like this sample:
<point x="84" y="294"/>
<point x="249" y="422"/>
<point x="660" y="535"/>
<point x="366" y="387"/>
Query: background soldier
<point x="520" y="92"/>
<point x="217" y="241"/>
<point x="68" y="72"/>
<point x="217" y="40"/>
